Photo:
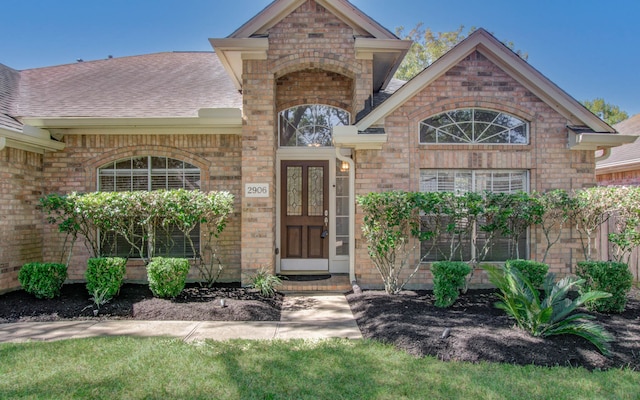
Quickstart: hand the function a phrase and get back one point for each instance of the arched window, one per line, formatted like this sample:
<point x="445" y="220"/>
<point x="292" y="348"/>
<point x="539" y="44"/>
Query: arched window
<point x="150" y="173"/>
<point x="309" y="125"/>
<point x="474" y="126"/>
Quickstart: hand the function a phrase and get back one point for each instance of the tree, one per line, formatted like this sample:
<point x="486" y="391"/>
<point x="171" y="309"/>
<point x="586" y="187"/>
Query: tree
<point x="428" y="46"/>
<point x="609" y="113"/>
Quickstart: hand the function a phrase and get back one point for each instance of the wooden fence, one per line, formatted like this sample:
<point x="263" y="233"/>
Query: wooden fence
<point x="605" y="249"/>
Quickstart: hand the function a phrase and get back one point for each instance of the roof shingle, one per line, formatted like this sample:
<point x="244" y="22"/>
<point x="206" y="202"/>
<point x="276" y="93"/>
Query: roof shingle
<point x="174" y="84"/>
<point x="628" y="153"/>
<point x="9" y="82"/>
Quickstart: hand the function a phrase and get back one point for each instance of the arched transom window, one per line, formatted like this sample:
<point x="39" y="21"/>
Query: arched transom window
<point x="309" y="125"/>
<point x="474" y="125"/>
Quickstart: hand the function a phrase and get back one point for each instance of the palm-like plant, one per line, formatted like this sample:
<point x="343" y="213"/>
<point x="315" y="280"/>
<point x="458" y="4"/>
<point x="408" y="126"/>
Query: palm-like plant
<point x="553" y="315"/>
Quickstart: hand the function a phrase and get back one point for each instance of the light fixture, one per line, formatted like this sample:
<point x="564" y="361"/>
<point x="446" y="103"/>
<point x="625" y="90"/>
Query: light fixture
<point x="344" y="166"/>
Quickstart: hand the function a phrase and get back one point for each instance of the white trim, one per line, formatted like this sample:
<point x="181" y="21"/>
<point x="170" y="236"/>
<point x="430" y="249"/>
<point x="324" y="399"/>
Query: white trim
<point x="352" y="214"/>
<point x="213" y="118"/>
<point x="349" y="137"/>
<point x="316" y="154"/>
<point x="304" y="264"/>
<point x="27" y="142"/>
<point x="506" y="59"/>
<point x="596" y="141"/>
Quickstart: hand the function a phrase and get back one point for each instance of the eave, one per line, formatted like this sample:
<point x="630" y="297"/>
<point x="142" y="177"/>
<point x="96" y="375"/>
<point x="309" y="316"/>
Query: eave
<point x="207" y="118"/>
<point x="232" y="51"/>
<point x="483" y="42"/>
<point x="27" y="142"/>
<point x="349" y="137"/>
<point x="597" y="141"/>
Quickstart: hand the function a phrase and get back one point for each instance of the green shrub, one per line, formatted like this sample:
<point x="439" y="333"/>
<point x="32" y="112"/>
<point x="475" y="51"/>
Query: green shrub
<point x="553" y="314"/>
<point x="265" y="282"/>
<point x="448" y="279"/>
<point x="43" y="280"/>
<point x="167" y="276"/>
<point x="532" y="270"/>
<point x="611" y="277"/>
<point x="105" y="276"/>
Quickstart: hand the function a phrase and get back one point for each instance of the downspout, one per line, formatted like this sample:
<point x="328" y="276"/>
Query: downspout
<point x="606" y="153"/>
<point x="3" y="143"/>
<point x="352" y="214"/>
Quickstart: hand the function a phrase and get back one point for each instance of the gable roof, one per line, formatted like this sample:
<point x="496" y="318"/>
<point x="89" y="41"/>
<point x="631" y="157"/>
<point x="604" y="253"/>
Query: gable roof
<point x="342" y="9"/>
<point x="485" y="43"/>
<point x="250" y="41"/>
<point x="175" y="84"/>
<point x="624" y="157"/>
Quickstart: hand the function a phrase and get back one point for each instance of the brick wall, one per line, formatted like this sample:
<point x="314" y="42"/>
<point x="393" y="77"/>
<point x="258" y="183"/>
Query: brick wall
<point x="74" y="169"/>
<point x="21" y="234"/>
<point x="311" y="59"/>
<point x="475" y="82"/>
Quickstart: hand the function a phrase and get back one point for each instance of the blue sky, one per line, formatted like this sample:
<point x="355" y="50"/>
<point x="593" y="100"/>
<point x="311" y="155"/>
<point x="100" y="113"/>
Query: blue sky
<point x="589" y="48"/>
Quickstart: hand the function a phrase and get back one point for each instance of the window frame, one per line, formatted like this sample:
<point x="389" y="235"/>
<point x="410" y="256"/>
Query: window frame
<point x="314" y="107"/>
<point x="189" y="174"/>
<point x="473" y="122"/>
<point x="473" y="250"/>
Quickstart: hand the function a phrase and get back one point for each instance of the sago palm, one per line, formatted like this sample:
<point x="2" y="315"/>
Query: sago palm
<point x="553" y="315"/>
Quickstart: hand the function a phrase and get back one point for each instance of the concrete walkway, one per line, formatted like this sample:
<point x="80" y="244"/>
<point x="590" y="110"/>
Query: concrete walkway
<point x="304" y="316"/>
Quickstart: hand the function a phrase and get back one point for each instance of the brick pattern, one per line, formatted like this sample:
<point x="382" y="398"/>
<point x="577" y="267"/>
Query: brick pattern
<point x="475" y="82"/>
<point x="21" y="234"/>
<point x="310" y="59"/>
<point x="75" y="168"/>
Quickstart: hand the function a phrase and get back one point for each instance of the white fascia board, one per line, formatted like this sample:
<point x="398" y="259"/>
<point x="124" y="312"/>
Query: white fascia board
<point x="506" y="59"/>
<point x="621" y="166"/>
<point x="210" y="118"/>
<point x="232" y="51"/>
<point x="596" y="141"/>
<point x="348" y="136"/>
<point x="20" y="140"/>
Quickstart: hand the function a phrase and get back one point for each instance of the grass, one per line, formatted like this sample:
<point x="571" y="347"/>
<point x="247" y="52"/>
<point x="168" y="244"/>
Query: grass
<point x="152" y="368"/>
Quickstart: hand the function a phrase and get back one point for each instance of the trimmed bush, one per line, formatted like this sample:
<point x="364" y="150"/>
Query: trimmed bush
<point x="167" y="276"/>
<point x="43" y="280"/>
<point x="610" y="277"/>
<point x="532" y="270"/>
<point x="105" y="276"/>
<point x="448" y="279"/>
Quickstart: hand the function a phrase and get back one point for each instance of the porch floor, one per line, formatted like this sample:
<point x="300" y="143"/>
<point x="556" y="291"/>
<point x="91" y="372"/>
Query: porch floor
<point x="336" y="283"/>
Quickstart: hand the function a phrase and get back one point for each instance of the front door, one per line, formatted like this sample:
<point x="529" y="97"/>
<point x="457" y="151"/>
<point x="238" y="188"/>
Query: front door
<point x="304" y="214"/>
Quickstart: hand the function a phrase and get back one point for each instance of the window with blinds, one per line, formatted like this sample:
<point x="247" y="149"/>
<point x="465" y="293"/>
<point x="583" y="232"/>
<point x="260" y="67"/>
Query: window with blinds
<point x="150" y="173"/>
<point x="463" y="181"/>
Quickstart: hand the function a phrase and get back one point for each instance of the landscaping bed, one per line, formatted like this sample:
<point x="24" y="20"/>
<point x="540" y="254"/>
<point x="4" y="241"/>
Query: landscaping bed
<point x="477" y="331"/>
<point x="136" y="301"/>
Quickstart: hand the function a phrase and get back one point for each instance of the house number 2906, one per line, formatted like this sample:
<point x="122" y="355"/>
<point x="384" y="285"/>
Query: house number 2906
<point x="256" y="190"/>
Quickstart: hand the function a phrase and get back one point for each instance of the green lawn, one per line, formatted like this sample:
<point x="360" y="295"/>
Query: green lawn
<point x="135" y="368"/>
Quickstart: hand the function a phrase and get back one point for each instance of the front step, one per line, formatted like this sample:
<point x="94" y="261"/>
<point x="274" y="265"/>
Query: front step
<point x="336" y="283"/>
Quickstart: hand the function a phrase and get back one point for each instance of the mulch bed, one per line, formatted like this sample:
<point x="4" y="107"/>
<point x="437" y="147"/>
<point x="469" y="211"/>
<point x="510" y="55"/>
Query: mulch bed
<point x="195" y="303"/>
<point x="474" y="330"/>
<point x="471" y="330"/>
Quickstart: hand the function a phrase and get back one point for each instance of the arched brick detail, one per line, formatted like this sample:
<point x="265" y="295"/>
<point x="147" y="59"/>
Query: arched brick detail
<point x="324" y="61"/>
<point x="149" y="150"/>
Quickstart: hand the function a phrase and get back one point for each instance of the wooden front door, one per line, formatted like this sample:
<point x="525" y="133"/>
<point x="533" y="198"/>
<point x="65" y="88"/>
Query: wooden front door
<point x="304" y="214"/>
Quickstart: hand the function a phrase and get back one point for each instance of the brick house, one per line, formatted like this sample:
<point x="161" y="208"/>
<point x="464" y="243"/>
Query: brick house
<point x="622" y="166"/>
<point x="296" y="113"/>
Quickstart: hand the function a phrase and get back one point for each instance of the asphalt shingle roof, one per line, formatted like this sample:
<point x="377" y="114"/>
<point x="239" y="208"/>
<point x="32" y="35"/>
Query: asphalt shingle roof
<point x="629" y="152"/>
<point x="174" y="84"/>
<point x="9" y="81"/>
